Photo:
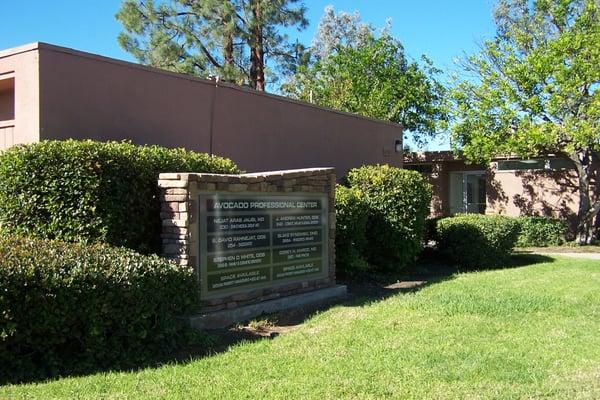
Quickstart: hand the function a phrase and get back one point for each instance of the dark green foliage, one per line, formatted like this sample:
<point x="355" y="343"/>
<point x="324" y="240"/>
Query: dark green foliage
<point x="351" y="221"/>
<point x="541" y="231"/>
<point x="477" y="241"/>
<point x="90" y="191"/>
<point x="398" y="203"/>
<point x="69" y="308"/>
<point x="431" y="229"/>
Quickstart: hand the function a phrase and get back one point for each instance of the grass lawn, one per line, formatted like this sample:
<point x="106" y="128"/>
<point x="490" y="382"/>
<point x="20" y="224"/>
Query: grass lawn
<point x="528" y="332"/>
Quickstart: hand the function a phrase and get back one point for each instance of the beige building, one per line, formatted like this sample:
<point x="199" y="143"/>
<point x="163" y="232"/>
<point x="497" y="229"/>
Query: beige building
<point x="50" y="92"/>
<point x="542" y="186"/>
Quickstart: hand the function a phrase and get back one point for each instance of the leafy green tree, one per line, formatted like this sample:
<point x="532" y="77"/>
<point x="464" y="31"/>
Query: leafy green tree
<point x="533" y="90"/>
<point x="376" y="80"/>
<point x="229" y="38"/>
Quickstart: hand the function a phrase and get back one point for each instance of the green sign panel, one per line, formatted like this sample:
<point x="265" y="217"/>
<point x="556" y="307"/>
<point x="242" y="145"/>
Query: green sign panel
<point x="230" y="223"/>
<point x="288" y="254"/>
<point x="250" y="241"/>
<point x="297" y="269"/>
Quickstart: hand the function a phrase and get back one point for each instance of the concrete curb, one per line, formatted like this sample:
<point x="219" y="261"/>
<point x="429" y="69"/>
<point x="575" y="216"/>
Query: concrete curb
<point x="224" y="318"/>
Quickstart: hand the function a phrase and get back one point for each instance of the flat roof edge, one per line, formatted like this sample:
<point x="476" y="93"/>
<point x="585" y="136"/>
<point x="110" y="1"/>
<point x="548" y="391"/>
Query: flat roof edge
<point x="439" y="156"/>
<point x="20" y="49"/>
<point x="97" y="57"/>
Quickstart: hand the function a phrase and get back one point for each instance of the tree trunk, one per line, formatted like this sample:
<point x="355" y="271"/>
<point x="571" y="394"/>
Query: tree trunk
<point x="228" y="28"/>
<point x="588" y="210"/>
<point x="584" y="227"/>
<point x="228" y="51"/>
<point x="257" y="53"/>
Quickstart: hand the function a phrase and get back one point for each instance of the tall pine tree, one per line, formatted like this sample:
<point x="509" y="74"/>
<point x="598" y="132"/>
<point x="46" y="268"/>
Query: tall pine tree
<point x="232" y="39"/>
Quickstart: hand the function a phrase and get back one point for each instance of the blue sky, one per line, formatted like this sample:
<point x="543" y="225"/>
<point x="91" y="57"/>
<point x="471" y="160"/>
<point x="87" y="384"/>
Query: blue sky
<point x="441" y="29"/>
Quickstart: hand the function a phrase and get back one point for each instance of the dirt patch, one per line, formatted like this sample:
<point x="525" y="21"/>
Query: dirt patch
<point x="266" y="326"/>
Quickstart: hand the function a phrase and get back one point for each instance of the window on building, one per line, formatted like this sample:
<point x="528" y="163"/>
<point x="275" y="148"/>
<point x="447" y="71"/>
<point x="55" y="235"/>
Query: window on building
<point x="398" y="145"/>
<point x="549" y="164"/>
<point x="510" y="165"/>
<point x="422" y="168"/>
<point x="560" y="164"/>
<point x="7" y="99"/>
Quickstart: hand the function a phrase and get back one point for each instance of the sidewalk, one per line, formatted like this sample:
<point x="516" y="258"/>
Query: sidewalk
<point x="586" y="256"/>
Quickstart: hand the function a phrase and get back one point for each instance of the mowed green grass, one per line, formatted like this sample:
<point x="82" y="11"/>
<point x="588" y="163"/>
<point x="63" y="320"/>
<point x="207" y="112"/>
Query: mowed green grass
<point x="522" y="333"/>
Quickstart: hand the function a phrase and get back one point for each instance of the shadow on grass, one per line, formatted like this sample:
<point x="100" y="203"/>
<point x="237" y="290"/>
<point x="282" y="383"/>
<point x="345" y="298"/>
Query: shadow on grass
<point x="430" y="269"/>
<point x="362" y="289"/>
<point x="525" y="259"/>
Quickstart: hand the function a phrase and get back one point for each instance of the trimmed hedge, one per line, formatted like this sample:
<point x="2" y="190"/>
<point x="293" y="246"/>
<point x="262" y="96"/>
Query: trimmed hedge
<point x="477" y="241"/>
<point x="398" y="203"/>
<point x="541" y="231"/>
<point x="71" y="308"/>
<point x="350" y="239"/>
<point x="92" y="191"/>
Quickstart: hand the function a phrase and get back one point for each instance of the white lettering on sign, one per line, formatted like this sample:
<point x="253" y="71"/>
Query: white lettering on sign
<point x="244" y="205"/>
<point x="225" y="205"/>
<point x="254" y="240"/>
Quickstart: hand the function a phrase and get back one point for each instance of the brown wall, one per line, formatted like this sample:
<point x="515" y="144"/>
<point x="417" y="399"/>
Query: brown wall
<point x="83" y="97"/>
<point x="88" y="96"/>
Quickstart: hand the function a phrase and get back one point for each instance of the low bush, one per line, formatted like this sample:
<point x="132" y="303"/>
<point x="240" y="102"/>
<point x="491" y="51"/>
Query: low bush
<point x="477" y="241"/>
<point x="70" y="308"/>
<point x="92" y="191"/>
<point x="350" y="239"/>
<point x="397" y="203"/>
<point x="541" y="231"/>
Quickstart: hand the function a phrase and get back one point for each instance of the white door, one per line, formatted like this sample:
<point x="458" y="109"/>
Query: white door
<point x="457" y="204"/>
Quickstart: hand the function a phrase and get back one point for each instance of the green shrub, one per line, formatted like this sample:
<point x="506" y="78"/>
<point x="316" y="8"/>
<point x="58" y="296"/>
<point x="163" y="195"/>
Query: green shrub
<point x="91" y="191"/>
<point x="541" y="231"/>
<point x="68" y="308"/>
<point x="477" y="241"/>
<point x="351" y="222"/>
<point x="398" y="203"/>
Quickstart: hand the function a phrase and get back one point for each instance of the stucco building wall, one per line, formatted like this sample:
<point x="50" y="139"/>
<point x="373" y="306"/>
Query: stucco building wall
<point x="534" y="192"/>
<point x="63" y="93"/>
<point x="508" y="192"/>
<point x="19" y="96"/>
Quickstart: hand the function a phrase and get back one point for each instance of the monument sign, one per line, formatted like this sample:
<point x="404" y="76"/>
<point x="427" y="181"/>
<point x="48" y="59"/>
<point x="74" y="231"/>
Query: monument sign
<point x="257" y="242"/>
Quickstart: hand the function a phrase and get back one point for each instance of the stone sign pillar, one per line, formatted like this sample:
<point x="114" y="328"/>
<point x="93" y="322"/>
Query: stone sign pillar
<point x="251" y="238"/>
